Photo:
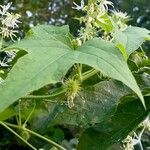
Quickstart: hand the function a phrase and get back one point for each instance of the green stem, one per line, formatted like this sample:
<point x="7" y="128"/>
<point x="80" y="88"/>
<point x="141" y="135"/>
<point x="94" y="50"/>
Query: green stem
<point x="52" y="96"/>
<point x="3" y="124"/>
<point x="79" y="67"/>
<point x="37" y="135"/>
<point x="19" y="114"/>
<point x="45" y="139"/>
<point x="1" y="43"/>
<point x="90" y="74"/>
<point x="142" y="50"/>
<point x="83" y="77"/>
<point x="24" y="124"/>
<point x="87" y="72"/>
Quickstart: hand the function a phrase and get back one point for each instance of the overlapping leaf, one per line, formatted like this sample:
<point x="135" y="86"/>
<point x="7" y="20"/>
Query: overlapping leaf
<point x="126" y="119"/>
<point x="132" y="38"/>
<point x="128" y="116"/>
<point x="103" y="56"/>
<point x="94" y="104"/>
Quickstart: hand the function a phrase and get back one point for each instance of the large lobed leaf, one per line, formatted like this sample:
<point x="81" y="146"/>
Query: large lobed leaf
<point x="50" y="55"/>
<point x="47" y="61"/>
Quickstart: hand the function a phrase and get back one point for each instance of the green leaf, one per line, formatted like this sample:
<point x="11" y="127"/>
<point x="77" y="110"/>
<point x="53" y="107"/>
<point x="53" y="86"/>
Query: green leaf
<point x="50" y="55"/>
<point x="93" y="105"/>
<point x="127" y="117"/>
<point x="123" y="51"/>
<point x="47" y="61"/>
<point x="8" y="113"/>
<point x="107" y="26"/>
<point x="132" y="38"/>
<point x="104" y="55"/>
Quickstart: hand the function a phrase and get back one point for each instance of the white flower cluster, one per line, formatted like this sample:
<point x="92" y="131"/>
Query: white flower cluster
<point x="81" y="7"/>
<point x="95" y="14"/>
<point x="103" y="5"/>
<point x="7" y="59"/>
<point x="121" y="19"/>
<point x="97" y="18"/>
<point x="146" y="123"/>
<point x="9" y="22"/>
<point x="128" y="143"/>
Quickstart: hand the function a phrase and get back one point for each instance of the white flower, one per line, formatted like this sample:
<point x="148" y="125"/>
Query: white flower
<point x="120" y="15"/>
<point x="104" y="5"/>
<point x="6" y="32"/>
<point x="81" y="7"/>
<point x="4" y="9"/>
<point x="128" y="143"/>
<point x="121" y="19"/>
<point x="3" y="62"/>
<point x="11" y="20"/>
<point x="146" y="123"/>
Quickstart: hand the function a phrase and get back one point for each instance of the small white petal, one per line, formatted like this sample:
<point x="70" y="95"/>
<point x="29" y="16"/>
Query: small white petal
<point x="81" y="7"/>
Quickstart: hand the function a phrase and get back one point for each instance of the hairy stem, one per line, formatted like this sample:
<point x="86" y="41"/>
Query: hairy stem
<point x="1" y="42"/>
<point x="24" y="124"/>
<point x="19" y="114"/>
<point x="83" y="77"/>
<point x="89" y="74"/>
<point x="17" y="135"/>
<point x="79" y="67"/>
<point x="52" y="96"/>
<point x="139" y="138"/>
<point x="37" y="135"/>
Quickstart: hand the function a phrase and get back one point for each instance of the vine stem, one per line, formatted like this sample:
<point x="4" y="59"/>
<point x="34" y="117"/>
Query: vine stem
<point x="52" y="96"/>
<point x="3" y="124"/>
<point x="19" y="114"/>
<point x="24" y="124"/>
<point x="142" y="50"/>
<point x="79" y="67"/>
<point x="89" y="74"/>
<point x="1" y="43"/>
<point x="85" y="76"/>
<point x="139" y="138"/>
<point x="37" y="135"/>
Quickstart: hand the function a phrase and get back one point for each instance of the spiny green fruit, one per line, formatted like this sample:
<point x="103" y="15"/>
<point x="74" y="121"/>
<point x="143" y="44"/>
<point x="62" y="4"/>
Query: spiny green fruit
<point x="72" y="90"/>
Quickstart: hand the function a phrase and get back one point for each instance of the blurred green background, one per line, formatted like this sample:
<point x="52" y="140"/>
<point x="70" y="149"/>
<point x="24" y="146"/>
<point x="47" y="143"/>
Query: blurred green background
<point x="58" y="12"/>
